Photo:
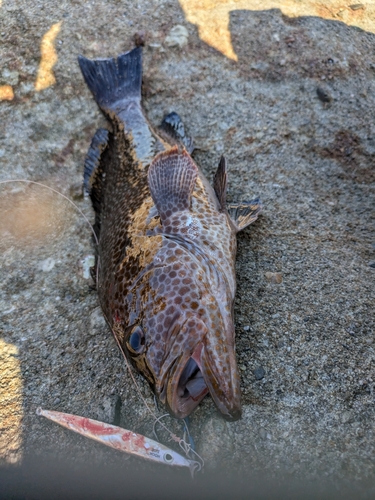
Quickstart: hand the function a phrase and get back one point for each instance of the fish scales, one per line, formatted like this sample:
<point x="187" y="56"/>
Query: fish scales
<point x="167" y="246"/>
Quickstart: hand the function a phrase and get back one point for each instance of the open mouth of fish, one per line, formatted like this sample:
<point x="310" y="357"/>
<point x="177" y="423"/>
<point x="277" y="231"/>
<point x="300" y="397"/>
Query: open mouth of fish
<point x="190" y="388"/>
<point x="191" y="384"/>
<point x="191" y="376"/>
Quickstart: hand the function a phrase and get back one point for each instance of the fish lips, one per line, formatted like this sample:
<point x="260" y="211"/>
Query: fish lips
<point x="223" y="382"/>
<point x="193" y="377"/>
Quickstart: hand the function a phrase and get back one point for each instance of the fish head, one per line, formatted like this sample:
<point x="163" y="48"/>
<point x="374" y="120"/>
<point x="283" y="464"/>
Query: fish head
<point x="182" y="341"/>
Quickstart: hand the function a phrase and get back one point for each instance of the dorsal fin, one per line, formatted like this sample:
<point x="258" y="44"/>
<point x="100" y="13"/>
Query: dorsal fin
<point x="220" y="182"/>
<point x="93" y="177"/>
<point x="98" y="144"/>
<point x="171" y="179"/>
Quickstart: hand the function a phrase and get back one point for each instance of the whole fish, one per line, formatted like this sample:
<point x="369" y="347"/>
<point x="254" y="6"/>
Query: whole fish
<point x="167" y="244"/>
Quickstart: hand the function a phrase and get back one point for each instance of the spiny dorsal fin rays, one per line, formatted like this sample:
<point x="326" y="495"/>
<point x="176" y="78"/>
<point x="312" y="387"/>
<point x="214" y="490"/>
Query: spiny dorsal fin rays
<point x="220" y="182"/>
<point x="171" y="179"/>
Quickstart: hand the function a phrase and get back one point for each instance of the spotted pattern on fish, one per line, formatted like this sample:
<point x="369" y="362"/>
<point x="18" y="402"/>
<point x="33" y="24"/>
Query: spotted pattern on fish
<point x="167" y="245"/>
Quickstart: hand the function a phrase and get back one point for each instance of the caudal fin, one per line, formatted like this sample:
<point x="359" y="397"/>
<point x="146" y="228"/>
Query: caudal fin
<point x="114" y="80"/>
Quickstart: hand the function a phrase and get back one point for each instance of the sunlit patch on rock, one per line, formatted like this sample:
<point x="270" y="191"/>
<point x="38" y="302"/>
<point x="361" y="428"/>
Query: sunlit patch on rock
<point x="6" y="93"/>
<point x="212" y="16"/>
<point x="45" y="77"/>
<point x="10" y="404"/>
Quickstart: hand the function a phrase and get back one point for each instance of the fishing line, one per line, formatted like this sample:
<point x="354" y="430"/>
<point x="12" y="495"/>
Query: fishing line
<point x="186" y="447"/>
<point x="154" y="426"/>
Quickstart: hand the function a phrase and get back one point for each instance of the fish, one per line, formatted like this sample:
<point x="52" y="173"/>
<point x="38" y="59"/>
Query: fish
<point x="120" y="439"/>
<point x="165" y="266"/>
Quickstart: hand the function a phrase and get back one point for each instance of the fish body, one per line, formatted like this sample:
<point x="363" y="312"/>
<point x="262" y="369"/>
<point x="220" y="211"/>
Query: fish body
<point x="167" y="246"/>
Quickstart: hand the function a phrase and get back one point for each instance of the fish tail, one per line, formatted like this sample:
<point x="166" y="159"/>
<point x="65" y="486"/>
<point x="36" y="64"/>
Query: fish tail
<point x="114" y="80"/>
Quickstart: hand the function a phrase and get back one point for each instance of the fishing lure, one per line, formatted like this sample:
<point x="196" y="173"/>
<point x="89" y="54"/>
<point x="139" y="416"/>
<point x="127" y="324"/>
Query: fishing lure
<point x="120" y="439"/>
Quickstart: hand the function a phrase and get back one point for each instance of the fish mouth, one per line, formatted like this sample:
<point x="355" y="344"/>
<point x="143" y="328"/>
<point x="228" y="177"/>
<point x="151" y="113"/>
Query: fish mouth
<point x="207" y="367"/>
<point x="194" y="378"/>
<point x="187" y="387"/>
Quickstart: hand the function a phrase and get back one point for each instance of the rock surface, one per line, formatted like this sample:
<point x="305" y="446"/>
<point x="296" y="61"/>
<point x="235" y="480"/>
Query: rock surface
<point x="308" y="154"/>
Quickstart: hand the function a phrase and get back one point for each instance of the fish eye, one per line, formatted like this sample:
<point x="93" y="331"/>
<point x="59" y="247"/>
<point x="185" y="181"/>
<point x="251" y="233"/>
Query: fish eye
<point x="136" y="340"/>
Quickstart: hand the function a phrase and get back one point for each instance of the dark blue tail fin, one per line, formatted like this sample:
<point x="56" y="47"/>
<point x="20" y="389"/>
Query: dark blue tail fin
<point x="113" y="80"/>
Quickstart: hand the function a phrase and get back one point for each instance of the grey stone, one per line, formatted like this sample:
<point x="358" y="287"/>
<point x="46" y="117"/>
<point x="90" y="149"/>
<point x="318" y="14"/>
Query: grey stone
<point x="85" y="266"/>
<point x="346" y="417"/>
<point x="177" y="37"/>
<point x="97" y="322"/>
<point x="259" y="373"/>
<point x="274" y="278"/>
<point x="76" y="191"/>
<point x="324" y="94"/>
<point x="47" y="264"/>
<point x="262" y="433"/>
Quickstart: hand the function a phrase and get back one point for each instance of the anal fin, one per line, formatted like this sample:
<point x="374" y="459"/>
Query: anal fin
<point x="171" y="179"/>
<point x="245" y="213"/>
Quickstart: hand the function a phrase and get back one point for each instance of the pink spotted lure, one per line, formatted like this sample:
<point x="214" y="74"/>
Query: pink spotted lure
<point x="120" y="439"/>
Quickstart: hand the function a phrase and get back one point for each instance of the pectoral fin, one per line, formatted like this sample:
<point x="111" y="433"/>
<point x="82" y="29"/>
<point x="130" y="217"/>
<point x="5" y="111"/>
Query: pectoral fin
<point x="171" y="179"/>
<point x="173" y="130"/>
<point x="245" y="213"/>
